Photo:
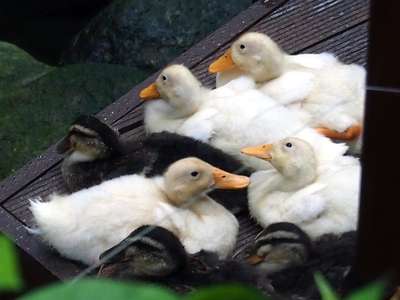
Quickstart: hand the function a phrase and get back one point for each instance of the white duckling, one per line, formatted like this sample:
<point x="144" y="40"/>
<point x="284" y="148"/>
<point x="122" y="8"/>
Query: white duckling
<point x="178" y="102"/>
<point x="329" y="94"/>
<point x="318" y="200"/>
<point x="83" y="225"/>
<point x="229" y="118"/>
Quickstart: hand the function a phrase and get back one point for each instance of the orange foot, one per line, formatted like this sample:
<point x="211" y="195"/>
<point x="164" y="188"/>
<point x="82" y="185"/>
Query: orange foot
<point x="349" y="134"/>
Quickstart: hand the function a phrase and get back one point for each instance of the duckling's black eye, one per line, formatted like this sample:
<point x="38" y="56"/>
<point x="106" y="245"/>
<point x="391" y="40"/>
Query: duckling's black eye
<point x="242" y="46"/>
<point x="194" y="174"/>
<point x="163" y="77"/>
<point x="289" y="145"/>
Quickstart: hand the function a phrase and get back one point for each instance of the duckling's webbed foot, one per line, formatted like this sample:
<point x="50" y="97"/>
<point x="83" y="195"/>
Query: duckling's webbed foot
<point x="349" y="134"/>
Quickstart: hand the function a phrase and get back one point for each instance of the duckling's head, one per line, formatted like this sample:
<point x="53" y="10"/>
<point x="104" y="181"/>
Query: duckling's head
<point x="148" y="252"/>
<point x="292" y="157"/>
<point x="189" y="178"/>
<point x="88" y="139"/>
<point x="279" y="246"/>
<point x="254" y="53"/>
<point x="177" y="86"/>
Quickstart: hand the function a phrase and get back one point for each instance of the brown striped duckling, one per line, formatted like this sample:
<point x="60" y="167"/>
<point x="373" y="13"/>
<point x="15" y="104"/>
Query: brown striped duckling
<point x="95" y="152"/>
<point x="155" y="254"/>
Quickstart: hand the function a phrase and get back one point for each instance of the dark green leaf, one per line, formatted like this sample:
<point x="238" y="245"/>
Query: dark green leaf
<point x="10" y="278"/>
<point x="230" y="291"/>
<point x="373" y="291"/>
<point x="101" y="289"/>
<point x="325" y="289"/>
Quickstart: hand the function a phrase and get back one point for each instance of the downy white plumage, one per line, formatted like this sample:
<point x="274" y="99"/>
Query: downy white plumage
<point x="83" y="225"/>
<point x="229" y="118"/>
<point x="329" y="94"/>
<point x="319" y="198"/>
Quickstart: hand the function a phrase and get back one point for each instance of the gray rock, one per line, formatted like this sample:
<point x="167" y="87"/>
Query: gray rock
<point x="38" y="102"/>
<point x="148" y="34"/>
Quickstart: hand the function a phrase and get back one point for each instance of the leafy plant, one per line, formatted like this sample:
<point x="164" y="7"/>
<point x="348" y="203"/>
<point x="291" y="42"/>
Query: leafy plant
<point x="10" y="279"/>
<point x="231" y="292"/>
<point x="103" y="289"/>
<point x="373" y="291"/>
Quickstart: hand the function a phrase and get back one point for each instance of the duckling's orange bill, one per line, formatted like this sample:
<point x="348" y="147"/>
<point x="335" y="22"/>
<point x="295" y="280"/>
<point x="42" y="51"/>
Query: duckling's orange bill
<point x="349" y="134"/>
<point x="262" y="151"/>
<point x="229" y="181"/>
<point x="223" y="63"/>
<point x="254" y="259"/>
<point x="149" y="93"/>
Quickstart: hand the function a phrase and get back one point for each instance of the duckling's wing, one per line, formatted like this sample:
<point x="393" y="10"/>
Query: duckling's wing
<point x="132" y="163"/>
<point x="314" y="61"/>
<point x="306" y="205"/>
<point x="200" y="126"/>
<point x="338" y="99"/>
<point x="237" y="85"/>
<point x="291" y="87"/>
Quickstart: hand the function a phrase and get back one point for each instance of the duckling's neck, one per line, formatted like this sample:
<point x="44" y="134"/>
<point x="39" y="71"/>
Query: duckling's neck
<point x="205" y="207"/>
<point x="297" y="177"/>
<point x="191" y="106"/>
<point x="270" y="69"/>
<point x="187" y="105"/>
<point x="291" y="63"/>
<point x="280" y="180"/>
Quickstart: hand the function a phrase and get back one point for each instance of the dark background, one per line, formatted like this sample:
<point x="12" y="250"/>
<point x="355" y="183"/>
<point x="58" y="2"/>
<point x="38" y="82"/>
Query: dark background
<point x="45" y="28"/>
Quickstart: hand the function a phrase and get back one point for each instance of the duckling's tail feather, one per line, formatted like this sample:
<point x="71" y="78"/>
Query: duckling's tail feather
<point x="33" y="230"/>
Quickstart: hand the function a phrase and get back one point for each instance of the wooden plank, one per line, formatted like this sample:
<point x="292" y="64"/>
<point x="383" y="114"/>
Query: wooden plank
<point x="350" y="46"/>
<point x="128" y="102"/>
<point x="306" y="23"/>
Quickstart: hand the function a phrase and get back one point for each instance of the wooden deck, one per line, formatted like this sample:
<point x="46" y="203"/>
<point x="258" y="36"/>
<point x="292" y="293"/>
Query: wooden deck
<point x="337" y="26"/>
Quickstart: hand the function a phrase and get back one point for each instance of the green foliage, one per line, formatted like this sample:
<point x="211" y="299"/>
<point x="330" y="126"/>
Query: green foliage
<point x="231" y="292"/>
<point x="101" y="289"/>
<point x="10" y="279"/>
<point x="325" y="289"/>
<point x="373" y="291"/>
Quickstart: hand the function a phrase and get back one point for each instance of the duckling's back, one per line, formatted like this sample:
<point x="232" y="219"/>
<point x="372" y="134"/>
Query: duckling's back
<point x="342" y="190"/>
<point x="252" y="118"/>
<point x="83" y="225"/>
